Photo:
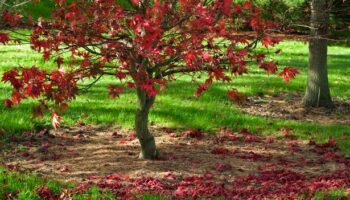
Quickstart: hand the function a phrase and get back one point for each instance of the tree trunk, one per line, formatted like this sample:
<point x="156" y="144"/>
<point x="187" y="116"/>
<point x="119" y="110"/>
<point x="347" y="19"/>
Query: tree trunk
<point x="148" y="145"/>
<point x="317" y="91"/>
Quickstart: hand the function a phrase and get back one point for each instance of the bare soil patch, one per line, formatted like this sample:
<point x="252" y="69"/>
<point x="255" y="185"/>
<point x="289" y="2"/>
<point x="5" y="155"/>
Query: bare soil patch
<point x="288" y="106"/>
<point x="192" y="164"/>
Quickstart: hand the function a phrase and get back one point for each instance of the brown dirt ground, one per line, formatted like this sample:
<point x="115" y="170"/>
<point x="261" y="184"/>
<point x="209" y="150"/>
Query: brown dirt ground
<point x="77" y="153"/>
<point x="288" y="106"/>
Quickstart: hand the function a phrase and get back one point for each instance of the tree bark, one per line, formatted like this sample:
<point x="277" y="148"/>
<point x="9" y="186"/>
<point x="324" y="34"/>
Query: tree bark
<point x="147" y="142"/>
<point x="317" y="91"/>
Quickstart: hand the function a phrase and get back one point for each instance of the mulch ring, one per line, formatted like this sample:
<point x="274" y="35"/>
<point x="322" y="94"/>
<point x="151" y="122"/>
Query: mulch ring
<point x="233" y="165"/>
<point x="288" y="106"/>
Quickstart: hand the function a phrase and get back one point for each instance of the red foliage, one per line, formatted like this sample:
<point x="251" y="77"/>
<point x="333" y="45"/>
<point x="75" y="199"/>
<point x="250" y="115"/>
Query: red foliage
<point x="289" y="73"/>
<point x="269" y="67"/>
<point x="274" y="183"/>
<point x="249" y="137"/>
<point x="46" y="193"/>
<point x="11" y="19"/>
<point x="270" y="41"/>
<point x="227" y="137"/>
<point x="220" y="150"/>
<point x="234" y="95"/>
<point x="201" y="88"/>
<point x="201" y="189"/>
<point x="139" y="47"/>
<point x="123" y="142"/>
<point x="281" y="183"/>
<point x="115" y="91"/>
<point x="194" y="133"/>
<point x="327" y="150"/>
<point x="278" y="177"/>
<point x="4" y="38"/>
<point x="293" y="146"/>
<point x="15" y="167"/>
<point x="148" y="184"/>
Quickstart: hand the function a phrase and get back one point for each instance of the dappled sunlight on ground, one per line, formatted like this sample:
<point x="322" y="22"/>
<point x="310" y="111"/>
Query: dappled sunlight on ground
<point x="288" y="106"/>
<point x="192" y="163"/>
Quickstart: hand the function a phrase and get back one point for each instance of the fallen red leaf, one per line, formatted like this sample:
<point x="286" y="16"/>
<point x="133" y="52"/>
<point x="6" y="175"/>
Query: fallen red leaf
<point x="220" y="150"/>
<point x="63" y="169"/>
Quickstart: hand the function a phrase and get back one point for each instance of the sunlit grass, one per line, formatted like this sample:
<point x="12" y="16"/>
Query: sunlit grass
<point x="11" y="182"/>
<point x="177" y="106"/>
<point x="24" y="186"/>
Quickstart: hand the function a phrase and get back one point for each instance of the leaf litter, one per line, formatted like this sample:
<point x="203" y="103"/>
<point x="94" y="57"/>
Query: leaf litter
<point x="193" y="163"/>
<point x="288" y="106"/>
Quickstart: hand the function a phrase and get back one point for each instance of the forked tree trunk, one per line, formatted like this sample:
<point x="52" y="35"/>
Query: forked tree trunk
<point x="317" y="90"/>
<point x="148" y="145"/>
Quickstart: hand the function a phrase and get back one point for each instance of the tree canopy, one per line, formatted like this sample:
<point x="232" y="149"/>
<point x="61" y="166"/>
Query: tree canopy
<point x="143" y="47"/>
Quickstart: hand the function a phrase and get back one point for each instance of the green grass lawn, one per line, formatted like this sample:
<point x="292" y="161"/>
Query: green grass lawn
<point x="25" y="185"/>
<point x="178" y="108"/>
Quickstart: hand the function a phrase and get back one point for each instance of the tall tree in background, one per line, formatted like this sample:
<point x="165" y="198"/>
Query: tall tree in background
<point x="317" y="90"/>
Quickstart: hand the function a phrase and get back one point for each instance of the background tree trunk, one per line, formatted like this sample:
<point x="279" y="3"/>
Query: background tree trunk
<point x="148" y="145"/>
<point x="317" y="90"/>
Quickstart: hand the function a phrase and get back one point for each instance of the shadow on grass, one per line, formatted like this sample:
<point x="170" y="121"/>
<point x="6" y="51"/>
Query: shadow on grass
<point x="177" y="107"/>
<point x="178" y="99"/>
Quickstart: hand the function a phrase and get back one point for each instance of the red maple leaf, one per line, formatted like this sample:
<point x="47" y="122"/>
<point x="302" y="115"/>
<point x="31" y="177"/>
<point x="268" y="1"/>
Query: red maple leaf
<point x="269" y="67"/>
<point x="4" y="38"/>
<point x="115" y="91"/>
<point x="45" y="193"/>
<point x="236" y="96"/>
<point x="220" y="150"/>
<point x="289" y="73"/>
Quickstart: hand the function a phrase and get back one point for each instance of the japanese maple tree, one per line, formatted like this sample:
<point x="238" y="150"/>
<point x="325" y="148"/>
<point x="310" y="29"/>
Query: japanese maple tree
<point x="143" y="45"/>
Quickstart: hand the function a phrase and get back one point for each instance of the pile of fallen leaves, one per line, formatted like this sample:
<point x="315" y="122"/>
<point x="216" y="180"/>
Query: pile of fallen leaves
<point x="271" y="181"/>
<point x="271" y="175"/>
